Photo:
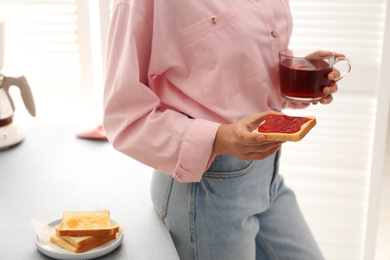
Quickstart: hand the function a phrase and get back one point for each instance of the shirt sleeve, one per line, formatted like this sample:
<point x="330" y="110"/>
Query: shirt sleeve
<point x="134" y="120"/>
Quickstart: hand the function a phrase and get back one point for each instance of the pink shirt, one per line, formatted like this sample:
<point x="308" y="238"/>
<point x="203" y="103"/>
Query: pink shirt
<point x="177" y="69"/>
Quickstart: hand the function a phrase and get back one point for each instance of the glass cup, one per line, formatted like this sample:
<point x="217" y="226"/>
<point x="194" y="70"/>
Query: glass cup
<point x="304" y="74"/>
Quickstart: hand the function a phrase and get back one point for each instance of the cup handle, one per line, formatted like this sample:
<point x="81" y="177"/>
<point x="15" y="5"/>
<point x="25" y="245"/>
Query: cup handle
<point x="349" y="67"/>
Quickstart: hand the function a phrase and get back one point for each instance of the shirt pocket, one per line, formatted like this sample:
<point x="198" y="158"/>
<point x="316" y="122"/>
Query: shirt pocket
<point x="225" y="50"/>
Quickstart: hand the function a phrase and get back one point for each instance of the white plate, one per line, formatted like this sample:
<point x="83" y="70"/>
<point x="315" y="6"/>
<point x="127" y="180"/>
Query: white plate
<point x="91" y="254"/>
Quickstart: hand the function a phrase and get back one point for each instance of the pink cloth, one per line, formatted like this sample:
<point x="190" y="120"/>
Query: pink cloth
<point x="92" y="132"/>
<point x="177" y="69"/>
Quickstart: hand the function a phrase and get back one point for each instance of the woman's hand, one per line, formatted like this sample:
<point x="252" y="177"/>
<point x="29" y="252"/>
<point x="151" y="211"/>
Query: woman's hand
<point x="330" y="90"/>
<point x="238" y="140"/>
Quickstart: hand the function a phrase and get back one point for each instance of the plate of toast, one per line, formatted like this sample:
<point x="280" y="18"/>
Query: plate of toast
<point x="82" y="235"/>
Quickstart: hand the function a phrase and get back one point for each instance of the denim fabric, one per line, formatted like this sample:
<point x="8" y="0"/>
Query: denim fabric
<point x="240" y="210"/>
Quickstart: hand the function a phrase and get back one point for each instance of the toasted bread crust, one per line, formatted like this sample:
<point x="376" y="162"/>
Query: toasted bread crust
<point x="293" y="137"/>
<point x="86" y="232"/>
<point x="85" y="240"/>
<point x="68" y="246"/>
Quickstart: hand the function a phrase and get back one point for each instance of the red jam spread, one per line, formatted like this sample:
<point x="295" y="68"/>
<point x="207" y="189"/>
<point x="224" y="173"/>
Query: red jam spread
<point x="282" y="124"/>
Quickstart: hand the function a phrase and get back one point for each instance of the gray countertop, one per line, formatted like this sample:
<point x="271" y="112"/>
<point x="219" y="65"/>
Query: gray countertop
<point x="53" y="171"/>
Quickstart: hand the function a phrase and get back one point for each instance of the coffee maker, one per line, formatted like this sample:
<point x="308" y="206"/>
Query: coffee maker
<point x="11" y="133"/>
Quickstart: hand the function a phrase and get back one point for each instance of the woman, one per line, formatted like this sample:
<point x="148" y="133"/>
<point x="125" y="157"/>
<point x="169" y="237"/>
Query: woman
<point x="186" y="83"/>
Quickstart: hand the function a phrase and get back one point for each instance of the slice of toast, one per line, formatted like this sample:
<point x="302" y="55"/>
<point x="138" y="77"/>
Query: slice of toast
<point x="286" y="128"/>
<point x="68" y="246"/>
<point x="83" y="241"/>
<point x="86" y="223"/>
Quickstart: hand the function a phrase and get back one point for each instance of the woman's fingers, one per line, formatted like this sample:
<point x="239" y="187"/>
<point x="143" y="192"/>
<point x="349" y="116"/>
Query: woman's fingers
<point x="329" y="90"/>
<point x="334" y="74"/>
<point x="261" y="155"/>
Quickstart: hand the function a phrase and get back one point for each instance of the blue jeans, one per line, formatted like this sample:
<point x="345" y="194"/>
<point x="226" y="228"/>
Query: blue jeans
<point x="240" y="210"/>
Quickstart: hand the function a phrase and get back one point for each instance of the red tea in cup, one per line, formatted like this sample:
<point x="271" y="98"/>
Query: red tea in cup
<point x="303" y="78"/>
<point x="299" y="82"/>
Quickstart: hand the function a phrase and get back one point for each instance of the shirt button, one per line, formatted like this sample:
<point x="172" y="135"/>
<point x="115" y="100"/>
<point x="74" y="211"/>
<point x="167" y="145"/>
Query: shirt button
<point x="273" y="34"/>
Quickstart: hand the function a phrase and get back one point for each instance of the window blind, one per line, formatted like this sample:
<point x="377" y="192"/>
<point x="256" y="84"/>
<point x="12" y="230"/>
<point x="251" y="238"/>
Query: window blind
<point x="42" y="39"/>
<point x="330" y="170"/>
<point x="43" y="43"/>
<point x="349" y="26"/>
<point x="354" y="28"/>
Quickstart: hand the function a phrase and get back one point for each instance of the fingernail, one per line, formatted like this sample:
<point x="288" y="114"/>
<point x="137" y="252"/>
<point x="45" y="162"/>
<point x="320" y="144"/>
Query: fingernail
<point x="260" y="138"/>
<point x="331" y="77"/>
